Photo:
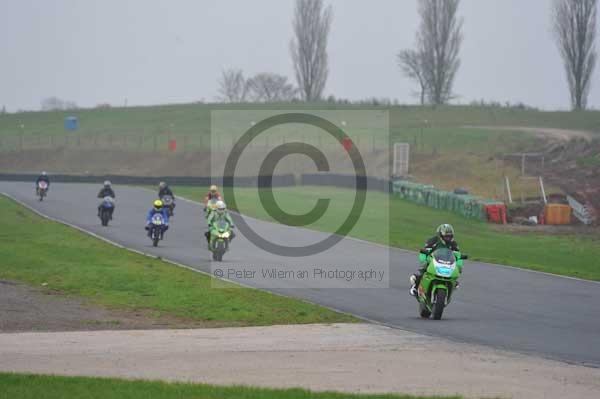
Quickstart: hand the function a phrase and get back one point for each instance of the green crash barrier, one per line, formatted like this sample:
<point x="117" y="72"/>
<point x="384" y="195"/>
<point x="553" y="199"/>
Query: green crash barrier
<point x="468" y="206"/>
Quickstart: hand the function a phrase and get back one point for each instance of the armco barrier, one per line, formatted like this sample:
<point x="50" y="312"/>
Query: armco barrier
<point x="251" y="181"/>
<point x="466" y="205"/>
<point x="288" y="180"/>
<point x="344" y="181"/>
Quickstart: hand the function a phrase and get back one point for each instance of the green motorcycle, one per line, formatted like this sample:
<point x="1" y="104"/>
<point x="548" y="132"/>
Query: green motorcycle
<point x="439" y="281"/>
<point x="220" y="236"/>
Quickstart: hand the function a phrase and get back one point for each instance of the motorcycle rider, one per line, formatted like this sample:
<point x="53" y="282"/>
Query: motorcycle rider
<point x="106" y="191"/>
<point x="157" y="207"/>
<point x="43" y="177"/>
<point x="219" y="214"/>
<point x="444" y="238"/>
<point x="163" y="189"/>
<point x="213" y="193"/>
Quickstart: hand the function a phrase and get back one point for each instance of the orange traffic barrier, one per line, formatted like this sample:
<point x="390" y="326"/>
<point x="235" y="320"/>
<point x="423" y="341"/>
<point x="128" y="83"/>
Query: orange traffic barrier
<point x="557" y="214"/>
<point x="496" y="213"/>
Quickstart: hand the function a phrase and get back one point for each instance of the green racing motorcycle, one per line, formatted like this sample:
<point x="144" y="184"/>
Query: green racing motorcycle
<point x="439" y="281"/>
<point x="220" y="236"/>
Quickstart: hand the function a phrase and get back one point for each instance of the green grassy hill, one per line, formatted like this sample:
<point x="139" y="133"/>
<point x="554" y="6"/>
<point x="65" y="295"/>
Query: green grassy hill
<point x="186" y="119"/>
<point x="443" y="151"/>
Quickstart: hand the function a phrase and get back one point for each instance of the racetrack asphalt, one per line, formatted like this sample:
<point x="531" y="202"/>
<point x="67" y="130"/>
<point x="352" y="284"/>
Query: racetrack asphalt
<point x="502" y="307"/>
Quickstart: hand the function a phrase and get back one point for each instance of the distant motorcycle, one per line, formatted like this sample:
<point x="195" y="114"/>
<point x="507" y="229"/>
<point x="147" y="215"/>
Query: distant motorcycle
<point x="439" y="281"/>
<point x="106" y="209"/>
<point x="220" y="237"/>
<point x="42" y="189"/>
<point x="168" y="203"/>
<point x="157" y="228"/>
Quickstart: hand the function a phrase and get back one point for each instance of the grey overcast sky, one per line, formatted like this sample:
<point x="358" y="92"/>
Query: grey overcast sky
<point x="154" y="52"/>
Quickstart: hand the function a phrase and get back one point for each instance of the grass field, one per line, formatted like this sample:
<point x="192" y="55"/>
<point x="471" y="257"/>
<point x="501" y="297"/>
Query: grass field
<point x="410" y="225"/>
<point x="25" y="386"/>
<point x="195" y="118"/>
<point x="36" y="251"/>
<point x="443" y="152"/>
<point x="147" y="128"/>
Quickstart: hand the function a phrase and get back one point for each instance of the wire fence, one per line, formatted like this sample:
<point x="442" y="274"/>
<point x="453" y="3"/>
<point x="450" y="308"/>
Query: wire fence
<point x="166" y="143"/>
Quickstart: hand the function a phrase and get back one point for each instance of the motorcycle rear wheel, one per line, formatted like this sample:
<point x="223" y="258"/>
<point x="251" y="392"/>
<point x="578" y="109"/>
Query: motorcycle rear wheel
<point x="104" y="218"/>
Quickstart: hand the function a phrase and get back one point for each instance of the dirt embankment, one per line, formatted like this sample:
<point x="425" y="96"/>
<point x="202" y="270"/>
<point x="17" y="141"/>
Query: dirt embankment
<point x="100" y="162"/>
<point x="572" y="162"/>
<point x="544" y="132"/>
<point x="119" y="162"/>
<point x="574" y="166"/>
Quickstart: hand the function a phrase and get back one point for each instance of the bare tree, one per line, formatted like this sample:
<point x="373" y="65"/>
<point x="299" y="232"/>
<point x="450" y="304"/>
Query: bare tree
<point x="233" y="87"/>
<point x="574" y="24"/>
<point x="438" y="43"/>
<point x="271" y="87"/>
<point x="311" y="25"/>
<point x="411" y="63"/>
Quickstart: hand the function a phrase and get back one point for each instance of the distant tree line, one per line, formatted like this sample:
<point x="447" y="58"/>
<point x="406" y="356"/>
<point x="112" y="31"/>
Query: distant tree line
<point x="262" y="87"/>
<point x="56" y="104"/>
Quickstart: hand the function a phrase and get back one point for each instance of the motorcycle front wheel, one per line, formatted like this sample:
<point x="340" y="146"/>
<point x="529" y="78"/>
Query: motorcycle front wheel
<point x="440" y="302"/>
<point x="423" y="312"/>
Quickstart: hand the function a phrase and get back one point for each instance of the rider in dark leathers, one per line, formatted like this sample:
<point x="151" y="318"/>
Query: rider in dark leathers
<point x="106" y="191"/>
<point x="443" y="239"/>
<point x="163" y="189"/>
<point x="43" y="177"/>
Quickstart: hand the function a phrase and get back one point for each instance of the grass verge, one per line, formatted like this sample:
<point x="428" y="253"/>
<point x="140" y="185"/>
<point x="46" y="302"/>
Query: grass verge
<point x="37" y="251"/>
<point x="410" y="225"/>
<point x="25" y="386"/>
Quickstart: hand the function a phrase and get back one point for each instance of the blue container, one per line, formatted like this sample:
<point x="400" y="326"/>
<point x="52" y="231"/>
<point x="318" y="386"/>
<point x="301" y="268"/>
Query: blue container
<point x="71" y="123"/>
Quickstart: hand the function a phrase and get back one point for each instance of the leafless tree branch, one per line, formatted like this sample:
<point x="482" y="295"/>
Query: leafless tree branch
<point x="411" y="63"/>
<point x="270" y="87"/>
<point x="233" y="87"/>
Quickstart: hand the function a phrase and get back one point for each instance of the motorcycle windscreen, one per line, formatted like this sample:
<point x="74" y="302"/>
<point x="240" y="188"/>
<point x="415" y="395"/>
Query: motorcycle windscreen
<point x="157" y="219"/>
<point x="222" y="225"/>
<point x="445" y="262"/>
<point x="212" y="204"/>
